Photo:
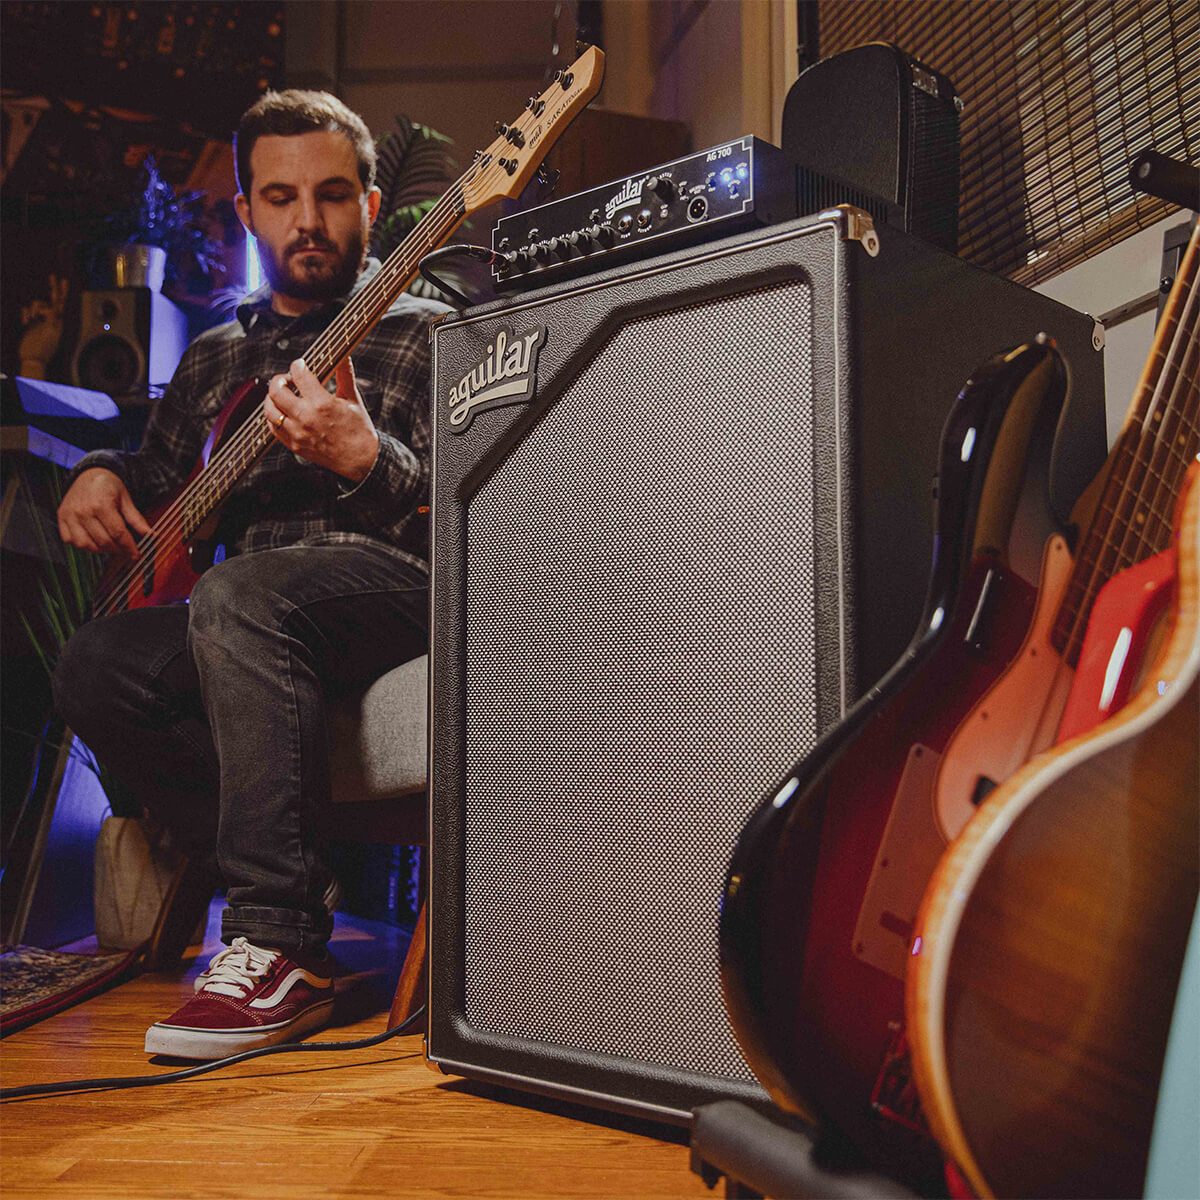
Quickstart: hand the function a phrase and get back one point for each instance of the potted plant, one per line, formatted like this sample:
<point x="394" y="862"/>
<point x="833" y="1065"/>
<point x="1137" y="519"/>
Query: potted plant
<point x="160" y="237"/>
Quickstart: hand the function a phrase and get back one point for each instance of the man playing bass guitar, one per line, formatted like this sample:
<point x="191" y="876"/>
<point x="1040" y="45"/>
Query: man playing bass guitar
<point x="211" y="715"/>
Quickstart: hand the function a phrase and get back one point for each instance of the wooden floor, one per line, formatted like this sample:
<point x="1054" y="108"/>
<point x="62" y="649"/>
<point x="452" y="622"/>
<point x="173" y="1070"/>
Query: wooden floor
<point x="351" y="1123"/>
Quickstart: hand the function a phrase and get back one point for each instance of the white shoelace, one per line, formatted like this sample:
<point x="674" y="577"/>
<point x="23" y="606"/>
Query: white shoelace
<point x="236" y="969"/>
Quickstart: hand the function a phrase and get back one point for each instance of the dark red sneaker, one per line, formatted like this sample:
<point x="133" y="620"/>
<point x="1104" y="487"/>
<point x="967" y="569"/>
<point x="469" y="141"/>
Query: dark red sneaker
<point x="251" y="997"/>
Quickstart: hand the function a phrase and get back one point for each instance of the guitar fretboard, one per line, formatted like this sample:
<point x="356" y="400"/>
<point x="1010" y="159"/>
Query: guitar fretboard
<point x="212" y="485"/>
<point x="1135" y="515"/>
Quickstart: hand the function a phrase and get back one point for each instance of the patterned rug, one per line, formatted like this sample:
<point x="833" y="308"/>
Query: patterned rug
<point x="38" y="983"/>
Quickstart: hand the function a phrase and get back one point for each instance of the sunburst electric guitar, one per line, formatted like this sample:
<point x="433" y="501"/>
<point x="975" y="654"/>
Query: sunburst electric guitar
<point x="828" y="875"/>
<point x="175" y="551"/>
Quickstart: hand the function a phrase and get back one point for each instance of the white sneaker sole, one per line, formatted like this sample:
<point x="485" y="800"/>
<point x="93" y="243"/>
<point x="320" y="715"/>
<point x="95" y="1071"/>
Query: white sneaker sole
<point x="180" y="1041"/>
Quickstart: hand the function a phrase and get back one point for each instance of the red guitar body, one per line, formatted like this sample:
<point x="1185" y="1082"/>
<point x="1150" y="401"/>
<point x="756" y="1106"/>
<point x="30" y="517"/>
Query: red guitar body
<point x="827" y="877"/>
<point x="1125" y="621"/>
<point x="173" y="558"/>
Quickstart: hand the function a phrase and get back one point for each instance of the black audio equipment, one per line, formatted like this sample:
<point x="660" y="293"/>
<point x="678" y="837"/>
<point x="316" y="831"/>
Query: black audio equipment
<point x="681" y="520"/>
<point x="130" y="341"/>
<point x="700" y="197"/>
<point x="879" y="120"/>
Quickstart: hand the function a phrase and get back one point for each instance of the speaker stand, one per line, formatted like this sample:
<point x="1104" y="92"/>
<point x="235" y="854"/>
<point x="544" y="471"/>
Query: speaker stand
<point x="769" y="1155"/>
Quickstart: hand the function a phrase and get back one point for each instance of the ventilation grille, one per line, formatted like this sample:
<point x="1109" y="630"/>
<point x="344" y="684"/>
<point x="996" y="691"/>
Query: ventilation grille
<point x="640" y="670"/>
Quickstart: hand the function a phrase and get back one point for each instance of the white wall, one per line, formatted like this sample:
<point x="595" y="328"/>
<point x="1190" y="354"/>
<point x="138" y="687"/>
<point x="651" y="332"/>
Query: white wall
<point x="1118" y="275"/>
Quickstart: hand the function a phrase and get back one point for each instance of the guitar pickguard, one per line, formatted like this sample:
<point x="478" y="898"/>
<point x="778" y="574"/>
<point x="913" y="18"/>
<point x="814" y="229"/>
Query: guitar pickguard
<point x="911" y="846"/>
<point x="1017" y="717"/>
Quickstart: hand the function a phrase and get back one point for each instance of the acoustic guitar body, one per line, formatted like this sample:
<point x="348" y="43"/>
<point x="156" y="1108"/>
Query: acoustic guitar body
<point x="1052" y="939"/>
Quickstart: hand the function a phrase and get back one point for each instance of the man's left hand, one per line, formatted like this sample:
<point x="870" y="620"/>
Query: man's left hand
<point x="335" y="432"/>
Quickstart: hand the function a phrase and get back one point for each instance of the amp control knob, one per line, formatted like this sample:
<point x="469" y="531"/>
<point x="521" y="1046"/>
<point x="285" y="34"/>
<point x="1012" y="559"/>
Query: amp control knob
<point x="662" y="186"/>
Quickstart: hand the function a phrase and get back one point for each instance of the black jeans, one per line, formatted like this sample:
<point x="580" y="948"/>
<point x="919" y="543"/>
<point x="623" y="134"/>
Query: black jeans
<point x="212" y="714"/>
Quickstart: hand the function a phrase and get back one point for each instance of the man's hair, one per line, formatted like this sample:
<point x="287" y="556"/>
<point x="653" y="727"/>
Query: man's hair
<point x="298" y="111"/>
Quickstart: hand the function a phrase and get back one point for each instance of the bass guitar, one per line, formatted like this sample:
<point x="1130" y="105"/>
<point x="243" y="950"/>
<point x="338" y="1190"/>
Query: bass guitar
<point x="174" y="553"/>
<point x="1050" y="942"/>
<point x="814" y="988"/>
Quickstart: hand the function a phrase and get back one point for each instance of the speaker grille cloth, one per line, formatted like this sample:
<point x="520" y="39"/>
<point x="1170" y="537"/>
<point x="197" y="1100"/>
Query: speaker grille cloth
<point x="641" y="669"/>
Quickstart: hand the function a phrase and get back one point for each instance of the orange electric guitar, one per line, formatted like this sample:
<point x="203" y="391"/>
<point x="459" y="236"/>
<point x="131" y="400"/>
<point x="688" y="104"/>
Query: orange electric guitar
<point x="1134" y="503"/>
<point x="175" y="552"/>
<point x="1050" y="942"/>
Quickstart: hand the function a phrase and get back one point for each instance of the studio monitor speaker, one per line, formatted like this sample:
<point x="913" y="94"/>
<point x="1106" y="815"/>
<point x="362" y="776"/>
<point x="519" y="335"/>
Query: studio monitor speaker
<point x="130" y="341"/>
<point x="879" y="121"/>
<point x="681" y="519"/>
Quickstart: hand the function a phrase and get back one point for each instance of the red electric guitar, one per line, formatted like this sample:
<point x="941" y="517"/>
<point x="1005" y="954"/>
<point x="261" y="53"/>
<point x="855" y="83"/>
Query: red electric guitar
<point x="174" y="553"/>
<point x="827" y="877"/>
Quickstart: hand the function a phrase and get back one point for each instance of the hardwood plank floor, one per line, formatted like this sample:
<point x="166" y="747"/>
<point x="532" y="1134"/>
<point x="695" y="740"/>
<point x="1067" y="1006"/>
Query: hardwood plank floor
<point x="366" y="1123"/>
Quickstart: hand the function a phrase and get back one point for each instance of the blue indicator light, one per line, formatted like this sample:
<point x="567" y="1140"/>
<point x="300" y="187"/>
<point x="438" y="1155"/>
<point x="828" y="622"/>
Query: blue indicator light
<point x="743" y="172"/>
<point x="727" y="175"/>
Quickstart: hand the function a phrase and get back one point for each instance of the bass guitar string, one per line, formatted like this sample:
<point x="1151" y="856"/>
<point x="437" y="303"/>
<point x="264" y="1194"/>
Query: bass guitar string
<point x="242" y="446"/>
<point x="1150" y="436"/>
<point x="249" y="440"/>
<point x="251" y="431"/>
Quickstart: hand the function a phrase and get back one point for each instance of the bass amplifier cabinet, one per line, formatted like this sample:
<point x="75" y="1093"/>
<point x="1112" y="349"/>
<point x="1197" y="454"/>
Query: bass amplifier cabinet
<point x="681" y="518"/>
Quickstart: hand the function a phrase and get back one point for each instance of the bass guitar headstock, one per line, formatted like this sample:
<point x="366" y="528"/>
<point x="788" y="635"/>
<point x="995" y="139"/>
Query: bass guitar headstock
<point x="507" y="165"/>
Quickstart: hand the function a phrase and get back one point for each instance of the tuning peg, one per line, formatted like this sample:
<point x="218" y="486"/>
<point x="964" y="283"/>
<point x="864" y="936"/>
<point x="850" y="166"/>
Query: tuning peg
<point x="501" y="129"/>
<point x="536" y="106"/>
<point x="566" y="80"/>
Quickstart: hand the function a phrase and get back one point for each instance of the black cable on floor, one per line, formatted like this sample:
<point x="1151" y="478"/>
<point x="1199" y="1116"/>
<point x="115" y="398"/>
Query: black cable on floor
<point x="132" y="1081"/>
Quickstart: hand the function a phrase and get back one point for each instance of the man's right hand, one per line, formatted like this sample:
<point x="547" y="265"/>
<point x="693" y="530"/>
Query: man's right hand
<point x="98" y="512"/>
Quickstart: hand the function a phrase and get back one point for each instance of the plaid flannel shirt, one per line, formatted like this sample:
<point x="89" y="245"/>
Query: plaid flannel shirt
<point x="281" y="500"/>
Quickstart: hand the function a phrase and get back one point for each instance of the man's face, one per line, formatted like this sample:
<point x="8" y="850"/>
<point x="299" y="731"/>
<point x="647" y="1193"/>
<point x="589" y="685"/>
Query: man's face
<point x="308" y="210"/>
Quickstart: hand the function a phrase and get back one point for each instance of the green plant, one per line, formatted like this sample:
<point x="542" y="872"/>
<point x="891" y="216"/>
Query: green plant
<point x="175" y="223"/>
<point x="65" y="591"/>
<point x="415" y="167"/>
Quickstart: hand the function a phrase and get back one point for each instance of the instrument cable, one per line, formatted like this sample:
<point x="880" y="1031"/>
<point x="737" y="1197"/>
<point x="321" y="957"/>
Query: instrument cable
<point x="132" y="1081"/>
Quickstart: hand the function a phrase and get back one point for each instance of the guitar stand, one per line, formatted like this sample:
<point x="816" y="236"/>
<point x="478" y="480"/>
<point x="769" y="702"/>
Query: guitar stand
<point x="763" y="1155"/>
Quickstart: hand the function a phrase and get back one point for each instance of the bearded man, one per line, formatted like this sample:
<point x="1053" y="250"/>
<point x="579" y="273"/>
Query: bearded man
<point x="211" y="715"/>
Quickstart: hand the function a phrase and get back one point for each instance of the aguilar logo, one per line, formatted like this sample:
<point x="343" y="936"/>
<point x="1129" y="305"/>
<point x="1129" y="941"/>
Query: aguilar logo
<point x="508" y="375"/>
<point x="631" y="193"/>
